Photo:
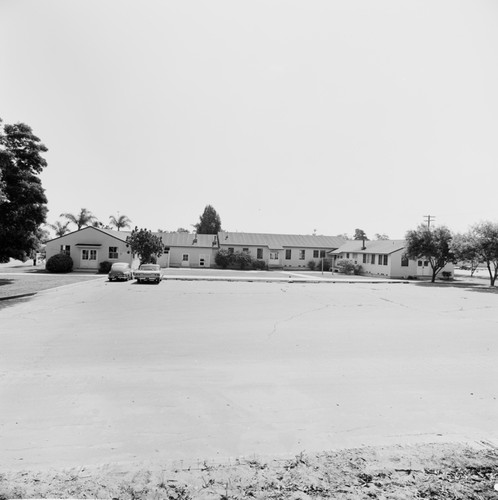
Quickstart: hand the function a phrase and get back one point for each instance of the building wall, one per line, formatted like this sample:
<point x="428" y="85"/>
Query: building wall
<point x="91" y="236"/>
<point x="392" y="269"/>
<point x="252" y="249"/>
<point x="295" y="262"/>
<point x="175" y="257"/>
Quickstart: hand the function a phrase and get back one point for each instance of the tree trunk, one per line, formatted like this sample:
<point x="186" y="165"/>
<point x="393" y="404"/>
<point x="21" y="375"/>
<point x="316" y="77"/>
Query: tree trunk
<point x="434" y="274"/>
<point x="492" y="274"/>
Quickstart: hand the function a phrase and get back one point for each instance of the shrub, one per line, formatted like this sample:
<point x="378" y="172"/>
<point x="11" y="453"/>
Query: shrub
<point x="259" y="264"/>
<point x="357" y="269"/>
<point x="59" y="263"/>
<point x="312" y="265"/>
<point x="446" y="275"/>
<point x="223" y="258"/>
<point x="243" y="259"/>
<point x="345" y="266"/>
<point x="105" y="267"/>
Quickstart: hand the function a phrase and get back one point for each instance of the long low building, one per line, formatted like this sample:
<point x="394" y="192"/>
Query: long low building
<point x="90" y="246"/>
<point x="383" y="258"/>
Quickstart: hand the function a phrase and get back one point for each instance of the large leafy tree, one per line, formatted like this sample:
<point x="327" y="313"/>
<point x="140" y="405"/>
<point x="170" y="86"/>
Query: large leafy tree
<point x="466" y="250"/>
<point x="23" y="204"/>
<point x="119" y="221"/>
<point x="484" y="237"/>
<point x="433" y="245"/>
<point x="209" y="222"/>
<point x="359" y="234"/>
<point x="145" y="244"/>
<point x="82" y="219"/>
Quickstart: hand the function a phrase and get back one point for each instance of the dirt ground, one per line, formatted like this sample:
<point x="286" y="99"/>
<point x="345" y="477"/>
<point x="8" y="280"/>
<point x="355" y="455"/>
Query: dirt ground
<point x="215" y="387"/>
<point x="437" y="471"/>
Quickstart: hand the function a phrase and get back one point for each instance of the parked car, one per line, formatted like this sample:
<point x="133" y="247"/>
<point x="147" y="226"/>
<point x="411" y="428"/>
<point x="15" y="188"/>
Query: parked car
<point x="120" y="271"/>
<point x="149" y="272"/>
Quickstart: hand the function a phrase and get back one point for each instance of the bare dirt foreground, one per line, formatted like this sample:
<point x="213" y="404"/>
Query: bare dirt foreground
<point x="233" y="390"/>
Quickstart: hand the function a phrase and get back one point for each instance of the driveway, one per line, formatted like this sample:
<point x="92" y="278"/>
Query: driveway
<point x="188" y="370"/>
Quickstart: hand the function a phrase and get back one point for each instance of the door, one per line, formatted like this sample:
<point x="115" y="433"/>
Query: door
<point x="274" y="258"/>
<point x="89" y="258"/>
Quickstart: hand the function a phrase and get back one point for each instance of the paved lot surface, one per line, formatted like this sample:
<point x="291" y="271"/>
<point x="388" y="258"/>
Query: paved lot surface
<point x="122" y="372"/>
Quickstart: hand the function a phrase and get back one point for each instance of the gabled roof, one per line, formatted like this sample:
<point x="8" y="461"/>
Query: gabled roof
<point x="120" y="235"/>
<point x="278" y="241"/>
<point x="188" y="240"/>
<point x="376" y="246"/>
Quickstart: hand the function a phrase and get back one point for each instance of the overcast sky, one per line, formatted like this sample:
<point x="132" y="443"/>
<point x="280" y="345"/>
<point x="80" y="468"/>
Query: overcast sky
<point x="286" y="116"/>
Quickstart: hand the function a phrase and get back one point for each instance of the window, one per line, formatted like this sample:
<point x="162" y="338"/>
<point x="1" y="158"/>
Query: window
<point x="302" y="254"/>
<point x="230" y="249"/>
<point x="364" y="258"/>
<point x="419" y="263"/>
<point x="113" y="252"/>
<point x="426" y="263"/>
<point x="185" y="257"/>
<point x="246" y="250"/>
<point x="88" y="254"/>
<point x="372" y="258"/>
<point x="288" y="254"/>
<point x="385" y="259"/>
<point x="316" y="253"/>
<point x="322" y="254"/>
<point x="66" y="249"/>
<point x="259" y="253"/>
<point x="404" y="261"/>
<point x="380" y="260"/>
<point x="347" y="255"/>
<point x="273" y="255"/>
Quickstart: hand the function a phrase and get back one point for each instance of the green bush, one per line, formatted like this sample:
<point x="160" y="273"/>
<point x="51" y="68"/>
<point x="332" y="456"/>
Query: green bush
<point x="357" y="269"/>
<point x="259" y="264"/>
<point x="105" y="267"/>
<point x="243" y="260"/>
<point x="59" y="263"/>
<point x="312" y="265"/>
<point x="223" y="258"/>
<point x="345" y="266"/>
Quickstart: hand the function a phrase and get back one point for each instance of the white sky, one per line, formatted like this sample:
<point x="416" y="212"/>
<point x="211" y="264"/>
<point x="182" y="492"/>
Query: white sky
<point x="286" y="116"/>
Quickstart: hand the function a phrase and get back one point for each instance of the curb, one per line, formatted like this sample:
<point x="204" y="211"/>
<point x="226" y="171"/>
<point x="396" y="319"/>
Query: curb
<point x="281" y="280"/>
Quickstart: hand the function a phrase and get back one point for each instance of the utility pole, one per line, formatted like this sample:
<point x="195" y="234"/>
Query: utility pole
<point x="429" y="219"/>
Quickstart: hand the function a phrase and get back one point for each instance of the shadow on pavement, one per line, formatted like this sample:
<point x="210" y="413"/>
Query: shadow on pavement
<point x="471" y="287"/>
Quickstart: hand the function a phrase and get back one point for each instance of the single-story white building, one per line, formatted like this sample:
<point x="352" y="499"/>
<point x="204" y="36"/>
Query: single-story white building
<point x="188" y="250"/>
<point x="90" y="246"/>
<point x="291" y="251"/>
<point x="383" y="258"/>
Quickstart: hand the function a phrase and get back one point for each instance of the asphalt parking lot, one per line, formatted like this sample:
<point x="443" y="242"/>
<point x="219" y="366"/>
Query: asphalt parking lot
<point x="123" y="372"/>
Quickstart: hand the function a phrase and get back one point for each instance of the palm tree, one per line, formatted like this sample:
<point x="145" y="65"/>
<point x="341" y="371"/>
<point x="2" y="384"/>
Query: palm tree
<point x="120" y="221"/>
<point x="59" y="228"/>
<point x="84" y="218"/>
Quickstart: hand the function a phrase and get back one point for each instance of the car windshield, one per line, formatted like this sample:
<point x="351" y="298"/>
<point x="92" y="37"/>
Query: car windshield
<point x="119" y="266"/>
<point x="149" y="267"/>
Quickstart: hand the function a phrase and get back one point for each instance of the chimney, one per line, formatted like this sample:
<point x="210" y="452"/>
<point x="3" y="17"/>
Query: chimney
<point x="363" y="246"/>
